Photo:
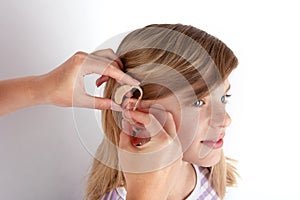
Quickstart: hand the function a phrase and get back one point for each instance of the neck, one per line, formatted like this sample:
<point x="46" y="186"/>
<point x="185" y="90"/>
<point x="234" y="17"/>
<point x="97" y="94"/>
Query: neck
<point x="186" y="184"/>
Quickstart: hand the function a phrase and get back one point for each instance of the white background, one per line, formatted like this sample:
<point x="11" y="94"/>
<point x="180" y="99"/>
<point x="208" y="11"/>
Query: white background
<point x="41" y="154"/>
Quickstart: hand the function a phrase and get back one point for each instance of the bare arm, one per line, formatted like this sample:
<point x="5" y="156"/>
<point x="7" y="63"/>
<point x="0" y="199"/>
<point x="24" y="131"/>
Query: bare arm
<point x="19" y="93"/>
<point x="64" y="86"/>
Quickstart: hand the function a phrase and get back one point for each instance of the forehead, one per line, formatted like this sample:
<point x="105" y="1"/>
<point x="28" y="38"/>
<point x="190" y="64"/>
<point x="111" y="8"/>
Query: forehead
<point x="180" y="96"/>
<point x="226" y="83"/>
<point x="224" y="87"/>
<point x="219" y="91"/>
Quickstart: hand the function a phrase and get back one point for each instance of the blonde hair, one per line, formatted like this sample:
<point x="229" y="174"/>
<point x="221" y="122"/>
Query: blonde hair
<point x="149" y="54"/>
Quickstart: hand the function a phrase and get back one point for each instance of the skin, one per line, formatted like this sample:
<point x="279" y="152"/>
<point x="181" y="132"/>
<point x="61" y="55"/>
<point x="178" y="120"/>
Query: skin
<point x="213" y="121"/>
<point x="172" y="125"/>
<point x="64" y="86"/>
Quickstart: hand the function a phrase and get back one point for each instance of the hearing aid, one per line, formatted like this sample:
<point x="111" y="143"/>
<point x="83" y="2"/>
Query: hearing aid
<point x="119" y="96"/>
<point x="122" y="91"/>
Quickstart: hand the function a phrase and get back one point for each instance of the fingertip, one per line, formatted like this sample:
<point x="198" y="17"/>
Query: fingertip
<point x="98" y="82"/>
<point x="102" y="103"/>
<point x="101" y="80"/>
<point x="116" y="107"/>
<point x="136" y="82"/>
<point x="106" y="104"/>
<point x="146" y="104"/>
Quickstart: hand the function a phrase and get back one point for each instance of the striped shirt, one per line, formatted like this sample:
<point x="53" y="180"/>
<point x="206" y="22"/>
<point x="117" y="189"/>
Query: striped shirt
<point x="202" y="190"/>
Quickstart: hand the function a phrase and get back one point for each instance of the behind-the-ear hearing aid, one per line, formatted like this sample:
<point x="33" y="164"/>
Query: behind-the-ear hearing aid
<point x="122" y="91"/>
<point x="119" y="96"/>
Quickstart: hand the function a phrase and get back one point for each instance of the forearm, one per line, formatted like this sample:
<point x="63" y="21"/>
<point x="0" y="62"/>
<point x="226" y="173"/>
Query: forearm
<point x="19" y="93"/>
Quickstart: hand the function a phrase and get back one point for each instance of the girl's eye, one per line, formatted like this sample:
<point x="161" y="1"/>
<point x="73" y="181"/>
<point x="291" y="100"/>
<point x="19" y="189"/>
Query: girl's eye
<point x="198" y="103"/>
<point x="224" y="99"/>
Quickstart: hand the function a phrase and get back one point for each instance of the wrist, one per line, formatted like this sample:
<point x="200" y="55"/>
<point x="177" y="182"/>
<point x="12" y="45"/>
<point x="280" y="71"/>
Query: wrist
<point x="37" y="90"/>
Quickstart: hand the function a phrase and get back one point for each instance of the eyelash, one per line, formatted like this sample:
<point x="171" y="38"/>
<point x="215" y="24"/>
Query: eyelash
<point x="223" y="98"/>
<point x="200" y="102"/>
<point x="197" y="103"/>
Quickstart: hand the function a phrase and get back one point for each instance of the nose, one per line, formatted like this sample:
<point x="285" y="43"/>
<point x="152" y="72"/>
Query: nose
<point x="227" y="120"/>
<point x="221" y="119"/>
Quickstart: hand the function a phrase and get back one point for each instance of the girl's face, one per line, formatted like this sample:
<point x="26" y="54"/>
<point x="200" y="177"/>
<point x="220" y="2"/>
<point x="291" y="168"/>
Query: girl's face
<point x="201" y="125"/>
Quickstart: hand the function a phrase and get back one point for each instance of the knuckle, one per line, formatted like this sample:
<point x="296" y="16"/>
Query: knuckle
<point x="109" y="50"/>
<point x="113" y="64"/>
<point x="102" y="104"/>
<point x="110" y="65"/>
<point x="80" y="54"/>
<point x="79" y="57"/>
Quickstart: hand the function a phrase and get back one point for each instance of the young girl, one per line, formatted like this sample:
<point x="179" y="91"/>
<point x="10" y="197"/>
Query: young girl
<point x="170" y="146"/>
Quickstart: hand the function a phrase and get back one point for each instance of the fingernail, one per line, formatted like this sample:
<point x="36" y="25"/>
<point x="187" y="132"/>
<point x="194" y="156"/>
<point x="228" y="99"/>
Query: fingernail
<point x="136" y="82"/>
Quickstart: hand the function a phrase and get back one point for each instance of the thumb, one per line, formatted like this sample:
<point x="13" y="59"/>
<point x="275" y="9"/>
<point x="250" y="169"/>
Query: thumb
<point x="102" y="104"/>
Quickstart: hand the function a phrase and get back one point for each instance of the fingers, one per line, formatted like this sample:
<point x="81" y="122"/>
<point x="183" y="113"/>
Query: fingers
<point x="109" y="53"/>
<point x="143" y="105"/>
<point x="88" y="101"/>
<point x="156" y="112"/>
<point x="148" y="121"/>
<point x="105" y="104"/>
<point x="101" y="80"/>
<point x="119" y="76"/>
<point x="157" y="123"/>
<point x="105" y="62"/>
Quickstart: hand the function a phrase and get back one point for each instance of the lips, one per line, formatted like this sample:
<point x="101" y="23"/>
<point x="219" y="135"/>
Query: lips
<point x="221" y="136"/>
<point x="214" y="143"/>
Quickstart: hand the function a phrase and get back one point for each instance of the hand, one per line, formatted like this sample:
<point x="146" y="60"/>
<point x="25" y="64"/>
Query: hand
<point x="151" y="169"/>
<point x="64" y="86"/>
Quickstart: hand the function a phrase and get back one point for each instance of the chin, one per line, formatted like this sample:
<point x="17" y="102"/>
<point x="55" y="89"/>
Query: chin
<point x="212" y="158"/>
<point x="208" y="161"/>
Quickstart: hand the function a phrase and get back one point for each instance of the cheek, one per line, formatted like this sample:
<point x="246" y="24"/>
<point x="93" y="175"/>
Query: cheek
<point x="192" y="128"/>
